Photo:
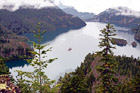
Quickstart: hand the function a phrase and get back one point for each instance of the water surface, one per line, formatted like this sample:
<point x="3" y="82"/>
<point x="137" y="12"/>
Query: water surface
<point x="81" y="41"/>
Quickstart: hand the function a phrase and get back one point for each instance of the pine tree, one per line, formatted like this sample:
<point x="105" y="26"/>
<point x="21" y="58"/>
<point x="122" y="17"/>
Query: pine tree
<point x="37" y="81"/>
<point x="3" y="68"/>
<point x="108" y="63"/>
<point x="134" y="83"/>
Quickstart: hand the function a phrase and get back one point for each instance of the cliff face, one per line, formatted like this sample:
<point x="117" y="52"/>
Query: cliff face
<point x="25" y="19"/>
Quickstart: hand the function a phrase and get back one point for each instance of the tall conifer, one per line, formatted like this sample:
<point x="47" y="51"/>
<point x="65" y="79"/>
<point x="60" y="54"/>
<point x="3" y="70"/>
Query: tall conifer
<point x="37" y="80"/>
<point x="108" y="64"/>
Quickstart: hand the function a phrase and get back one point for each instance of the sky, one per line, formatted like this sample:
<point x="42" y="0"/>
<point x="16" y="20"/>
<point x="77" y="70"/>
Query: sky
<point x="94" y="6"/>
<point x="97" y="6"/>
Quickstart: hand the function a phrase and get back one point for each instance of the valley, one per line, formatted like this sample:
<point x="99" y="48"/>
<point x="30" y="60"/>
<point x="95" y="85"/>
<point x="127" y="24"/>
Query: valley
<point x="51" y="47"/>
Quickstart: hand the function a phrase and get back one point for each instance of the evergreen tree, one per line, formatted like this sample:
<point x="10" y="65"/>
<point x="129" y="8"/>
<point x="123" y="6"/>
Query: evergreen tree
<point x="108" y="63"/>
<point x="79" y="81"/>
<point x="37" y="81"/>
<point x="3" y="68"/>
<point x="133" y="85"/>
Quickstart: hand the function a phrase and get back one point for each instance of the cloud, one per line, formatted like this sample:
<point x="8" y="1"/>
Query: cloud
<point x="97" y="6"/>
<point x="15" y="4"/>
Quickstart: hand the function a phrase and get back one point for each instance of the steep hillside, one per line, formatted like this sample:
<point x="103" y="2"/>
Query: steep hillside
<point x="13" y="46"/>
<point x="85" y="78"/>
<point x="26" y="18"/>
<point x="81" y="80"/>
<point x="121" y="16"/>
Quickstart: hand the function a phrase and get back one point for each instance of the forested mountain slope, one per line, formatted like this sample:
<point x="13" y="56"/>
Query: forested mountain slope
<point x="85" y="78"/>
<point x="25" y="20"/>
<point x="13" y="46"/>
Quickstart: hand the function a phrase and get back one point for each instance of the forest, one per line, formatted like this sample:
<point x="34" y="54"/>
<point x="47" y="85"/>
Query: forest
<point x="13" y="46"/>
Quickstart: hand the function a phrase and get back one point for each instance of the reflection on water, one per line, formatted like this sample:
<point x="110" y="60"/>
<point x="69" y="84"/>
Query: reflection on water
<point x="82" y="41"/>
<point x="49" y="35"/>
<point x="16" y="63"/>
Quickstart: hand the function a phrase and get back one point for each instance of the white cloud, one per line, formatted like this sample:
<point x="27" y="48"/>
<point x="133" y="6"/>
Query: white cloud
<point x="18" y="3"/>
<point x="95" y="6"/>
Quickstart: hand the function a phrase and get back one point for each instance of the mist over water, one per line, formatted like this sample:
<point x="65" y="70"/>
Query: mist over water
<point x="81" y="41"/>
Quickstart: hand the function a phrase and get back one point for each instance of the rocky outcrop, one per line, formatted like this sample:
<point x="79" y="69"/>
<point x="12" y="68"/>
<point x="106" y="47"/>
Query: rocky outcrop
<point x="6" y="85"/>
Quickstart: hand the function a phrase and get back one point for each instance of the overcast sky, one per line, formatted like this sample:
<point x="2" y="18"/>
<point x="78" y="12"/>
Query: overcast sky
<point x="98" y="6"/>
<point x="95" y="6"/>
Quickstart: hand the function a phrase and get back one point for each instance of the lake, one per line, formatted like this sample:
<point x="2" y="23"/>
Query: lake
<point x="81" y="41"/>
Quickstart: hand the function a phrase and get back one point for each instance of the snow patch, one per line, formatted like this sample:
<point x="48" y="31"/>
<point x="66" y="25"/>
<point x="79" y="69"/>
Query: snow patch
<point x="123" y="11"/>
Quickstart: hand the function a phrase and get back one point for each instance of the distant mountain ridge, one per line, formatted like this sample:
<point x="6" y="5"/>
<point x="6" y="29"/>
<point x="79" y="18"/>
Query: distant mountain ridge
<point x="25" y="19"/>
<point x="121" y="16"/>
<point x="82" y="15"/>
<point x="124" y="11"/>
<point x="71" y="10"/>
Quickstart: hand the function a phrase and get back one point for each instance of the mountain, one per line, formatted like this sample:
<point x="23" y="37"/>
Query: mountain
<point x="136" y="30"/>
<point x="71" y="10"/>
<point x="18" y="19"/>
<point x="82" y="15"/>
<point x="25" y="19"/>
<point x="121" y="16"/>
<point x="13" y="46"/>
<point x="85" y="78"/>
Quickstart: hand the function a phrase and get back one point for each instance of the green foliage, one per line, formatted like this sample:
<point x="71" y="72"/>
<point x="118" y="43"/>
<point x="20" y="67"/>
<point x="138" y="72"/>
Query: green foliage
<point x="128" y="66"/>
<point x="133" y="85"/>
<point x="81" y="80"/>
<point x="25" y="20"/>
<point x="13" y="46"/>
<point x="3" y="68"/>
<point x="127" y="72"/>
<point x="108" y="63"/>
<point x="37" y="80"/>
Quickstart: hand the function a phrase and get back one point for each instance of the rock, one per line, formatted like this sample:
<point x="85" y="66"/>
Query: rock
<point x="134" y="44"/>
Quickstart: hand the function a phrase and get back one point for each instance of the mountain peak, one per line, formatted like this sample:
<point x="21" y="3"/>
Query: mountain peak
<point x="123" y="11"/>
